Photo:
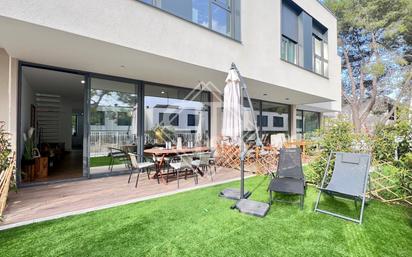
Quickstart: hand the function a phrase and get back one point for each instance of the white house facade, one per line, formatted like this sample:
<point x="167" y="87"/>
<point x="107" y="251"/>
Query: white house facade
<point x="78" y="59"/>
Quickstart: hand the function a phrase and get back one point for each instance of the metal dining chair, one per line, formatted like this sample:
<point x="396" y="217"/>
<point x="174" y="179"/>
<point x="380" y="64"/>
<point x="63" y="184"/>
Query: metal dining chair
<point x="184" y="164"/>
<point x="118" y="154"/>
<point x="203" y="163"/>
<point x="140" y="167"/>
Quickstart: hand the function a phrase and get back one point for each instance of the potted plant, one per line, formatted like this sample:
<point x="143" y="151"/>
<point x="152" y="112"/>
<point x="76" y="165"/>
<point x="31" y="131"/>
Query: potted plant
<point x="28" y="160"/>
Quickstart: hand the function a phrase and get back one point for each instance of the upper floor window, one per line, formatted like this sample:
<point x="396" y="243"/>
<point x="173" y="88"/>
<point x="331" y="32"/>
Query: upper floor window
<point x="217" y="15"/>
<point x="320" y="56"/>
<point x="192" y="120"/>
<point x="262" y="121"/>
<point x="97" y="118"/>
<point x="278" y="122"/>
<point x="289" y="50"/>
<point x="124" y="119"/>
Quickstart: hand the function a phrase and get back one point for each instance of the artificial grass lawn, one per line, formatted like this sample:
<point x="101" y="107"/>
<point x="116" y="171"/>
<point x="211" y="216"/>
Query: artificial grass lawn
<point x="102" y="161"/>
<point x="198" y="223"/>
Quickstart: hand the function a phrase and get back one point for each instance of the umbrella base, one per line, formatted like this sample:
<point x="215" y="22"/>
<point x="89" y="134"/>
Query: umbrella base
<point x="233" y="193"/>
<point x="251" y="207"/>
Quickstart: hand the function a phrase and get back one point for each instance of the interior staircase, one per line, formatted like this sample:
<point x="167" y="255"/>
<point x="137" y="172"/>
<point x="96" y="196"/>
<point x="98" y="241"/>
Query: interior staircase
<point x="48" y="120"/>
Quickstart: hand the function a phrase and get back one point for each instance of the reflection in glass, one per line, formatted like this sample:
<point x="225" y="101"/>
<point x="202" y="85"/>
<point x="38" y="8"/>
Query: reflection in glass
<point x="172" y="112"/>
<point x="113" y="123"/>
<point x="220" y="19"/>
<point x="278" y="120"/>
<point x="307" y="122"/>
<point x="200" y="12"/>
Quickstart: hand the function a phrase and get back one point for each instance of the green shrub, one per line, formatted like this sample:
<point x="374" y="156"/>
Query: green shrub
<point x="337" y="136"/>
<point x="5" y="147"/>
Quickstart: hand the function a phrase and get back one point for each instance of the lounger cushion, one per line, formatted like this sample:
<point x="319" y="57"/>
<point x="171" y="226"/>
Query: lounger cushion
<point x="287" y="185"/>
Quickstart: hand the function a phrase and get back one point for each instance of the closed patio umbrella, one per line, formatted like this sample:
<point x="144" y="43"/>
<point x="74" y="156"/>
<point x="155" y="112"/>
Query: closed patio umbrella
<point x="231" y="123"/>
<point x="199" y="130"/>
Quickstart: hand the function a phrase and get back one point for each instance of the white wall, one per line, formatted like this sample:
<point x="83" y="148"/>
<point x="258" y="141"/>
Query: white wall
<point x="4" y="86"/>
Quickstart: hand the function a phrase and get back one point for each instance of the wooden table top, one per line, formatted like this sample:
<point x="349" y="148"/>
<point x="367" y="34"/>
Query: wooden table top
<point x="174" y="151"/>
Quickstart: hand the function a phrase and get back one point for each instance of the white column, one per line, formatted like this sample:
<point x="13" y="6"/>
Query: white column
<point x="293" y="122"/>
<point x="215" y="118"/>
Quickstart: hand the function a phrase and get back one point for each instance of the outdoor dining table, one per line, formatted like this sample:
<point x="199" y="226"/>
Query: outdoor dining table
<point x="163" y="152"/>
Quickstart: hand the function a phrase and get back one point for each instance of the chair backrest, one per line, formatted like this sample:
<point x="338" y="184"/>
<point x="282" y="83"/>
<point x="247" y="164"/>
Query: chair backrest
<point x="350" y="173"/>
<point x="186" y="160"/>
<point x="204" y="158"/>
<point x="290" y="163"/>
<point x="133" y="160"/>
<point x="277" y="140"/>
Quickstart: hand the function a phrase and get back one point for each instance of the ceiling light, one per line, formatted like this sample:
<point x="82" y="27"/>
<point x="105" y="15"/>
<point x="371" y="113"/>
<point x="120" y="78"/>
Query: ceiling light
<point x="82" y="81"/>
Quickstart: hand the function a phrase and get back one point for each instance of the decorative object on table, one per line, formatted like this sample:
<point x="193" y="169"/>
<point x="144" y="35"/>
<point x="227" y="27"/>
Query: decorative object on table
<point x="179" y="143"/>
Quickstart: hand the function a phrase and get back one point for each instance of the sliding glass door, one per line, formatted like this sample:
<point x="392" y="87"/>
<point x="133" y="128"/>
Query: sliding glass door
<point x="113" y="125"/>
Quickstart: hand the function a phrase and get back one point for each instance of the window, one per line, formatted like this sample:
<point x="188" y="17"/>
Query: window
<point x="217" y="15"/>
<point x="288" y="50"/>
<point x="174" y="119"/>
<point x="220" y="18"/>
<point x="161" y="118"/>
<point x="97" y="118"/>
<point x="320" y="56"/>
<point x="192" y="120"/>
<point x="278" y="122"/>
<point x="262" y="121"/>
<point x="307" y="122"/>
<point x="124" y="119"/>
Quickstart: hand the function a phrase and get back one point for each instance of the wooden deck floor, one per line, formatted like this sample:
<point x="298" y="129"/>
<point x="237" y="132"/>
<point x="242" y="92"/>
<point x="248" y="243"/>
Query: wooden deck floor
<point x="39" y="202"/>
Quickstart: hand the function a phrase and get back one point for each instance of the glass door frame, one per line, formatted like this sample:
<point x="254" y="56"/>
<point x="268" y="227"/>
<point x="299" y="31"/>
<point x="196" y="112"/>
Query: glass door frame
<point x="139" y="91"/>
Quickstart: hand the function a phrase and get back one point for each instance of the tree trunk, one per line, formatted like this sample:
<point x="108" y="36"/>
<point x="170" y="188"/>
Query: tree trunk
<point x="357" y="123"/>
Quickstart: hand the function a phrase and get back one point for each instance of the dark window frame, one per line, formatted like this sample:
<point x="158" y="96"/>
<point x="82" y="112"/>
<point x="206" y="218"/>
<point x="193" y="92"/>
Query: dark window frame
<point x="191" y="120"/>
<point x="129" y="118"/>
<point x="101" y="119"/>
<point x="321" y="57"/>
<point x="277" y="118"/>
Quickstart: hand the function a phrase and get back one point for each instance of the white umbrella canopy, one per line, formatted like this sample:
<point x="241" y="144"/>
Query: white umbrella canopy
<point x="199" y="130"/>
<point x="231" y="123"/>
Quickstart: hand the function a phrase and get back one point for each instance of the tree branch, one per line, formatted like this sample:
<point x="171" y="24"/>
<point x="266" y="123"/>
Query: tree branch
<point x="351" y="78"/>
<point x="404" y="91"/>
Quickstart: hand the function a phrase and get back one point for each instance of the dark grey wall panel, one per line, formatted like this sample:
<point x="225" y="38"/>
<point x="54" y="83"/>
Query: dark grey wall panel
<point x="307" y="41"/>
<point x="289" y="22"/>
<point x="181" y="8"/>
<point x="237" y="20"/>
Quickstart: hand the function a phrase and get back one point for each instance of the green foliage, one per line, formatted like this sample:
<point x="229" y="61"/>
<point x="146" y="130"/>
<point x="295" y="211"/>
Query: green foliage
<point x="5" y="147"/>
<point x="393" y="137"/>
<point x="161" y="134"/>
<point x="28" y="145"/>
<point x="336" y="136"/>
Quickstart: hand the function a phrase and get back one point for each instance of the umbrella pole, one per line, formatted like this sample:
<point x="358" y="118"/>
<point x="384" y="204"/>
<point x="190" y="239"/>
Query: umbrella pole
<point x="242" y="144"/>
